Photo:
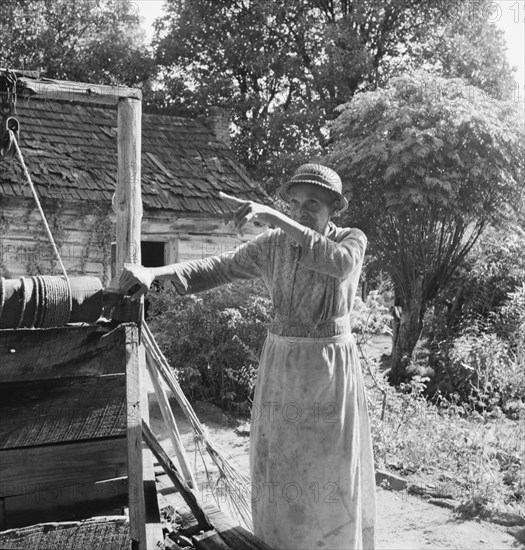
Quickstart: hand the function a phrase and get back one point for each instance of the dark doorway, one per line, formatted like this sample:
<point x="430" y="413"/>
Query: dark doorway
<point x="152" y="253"/>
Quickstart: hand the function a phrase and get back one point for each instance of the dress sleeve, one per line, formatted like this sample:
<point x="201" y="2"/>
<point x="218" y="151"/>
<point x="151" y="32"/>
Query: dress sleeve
<point x="246" y="262"/>
<point x="337" y="259"/>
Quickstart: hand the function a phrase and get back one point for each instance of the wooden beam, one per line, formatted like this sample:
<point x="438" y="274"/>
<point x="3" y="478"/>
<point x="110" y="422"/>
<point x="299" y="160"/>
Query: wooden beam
<point x="153" y="524"/>
<point x="28" y="354"/>
<point x="137" y="508"/>
<point x="67" y="503"/>
<point x="128" y="201"/>
<point x="227" y="535"/>
<point x="170" y="422"/>
<point x="46" y="88"/>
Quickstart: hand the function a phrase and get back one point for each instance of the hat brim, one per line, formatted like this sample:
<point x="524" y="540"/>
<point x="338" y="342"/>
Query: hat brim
<point x="282" y="193"/>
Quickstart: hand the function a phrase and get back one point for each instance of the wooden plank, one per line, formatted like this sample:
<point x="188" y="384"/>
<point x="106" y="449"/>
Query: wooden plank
<point x="235" y="536"/>
<point x="154" y="532"/>
<point x="40" y="412"/>
<point x="229" y="539"/>
<point x="29" y="354"/>
<point x="36" y="469"/>
<point x="75" y="91"/>
<point x="211" y="541"/>
<point x="137" y="511"/>
<point x="227" y="534"/>
<point x="67" y="503"/>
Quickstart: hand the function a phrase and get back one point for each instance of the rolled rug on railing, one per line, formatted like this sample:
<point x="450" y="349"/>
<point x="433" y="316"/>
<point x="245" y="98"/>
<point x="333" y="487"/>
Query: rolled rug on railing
<point x="48" y="301"/>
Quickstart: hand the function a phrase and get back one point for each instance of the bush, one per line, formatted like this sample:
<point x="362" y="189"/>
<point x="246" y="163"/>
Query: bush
<point x="372" y="316"/>
<point x="445" y="446"/>
<point x="481" y="369"/>
<point x="476" y="328"/>
<point x="213" y="340"/>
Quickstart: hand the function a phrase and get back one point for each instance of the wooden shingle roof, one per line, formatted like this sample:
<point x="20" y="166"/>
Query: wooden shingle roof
<point x="71" y="153"/>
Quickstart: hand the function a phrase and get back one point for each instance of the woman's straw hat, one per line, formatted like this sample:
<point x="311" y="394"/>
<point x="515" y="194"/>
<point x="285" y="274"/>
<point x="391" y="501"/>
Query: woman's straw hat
<point x="317" y="174"/>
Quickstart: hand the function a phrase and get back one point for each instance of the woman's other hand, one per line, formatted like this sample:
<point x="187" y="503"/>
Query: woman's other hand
<point x="137" y="279"/>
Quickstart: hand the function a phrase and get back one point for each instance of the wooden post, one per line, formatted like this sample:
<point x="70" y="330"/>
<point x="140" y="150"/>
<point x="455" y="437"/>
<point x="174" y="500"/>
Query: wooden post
<point x="128" y="193"/>
<point x="136" y="500"/>
<point x="143" y="507"/>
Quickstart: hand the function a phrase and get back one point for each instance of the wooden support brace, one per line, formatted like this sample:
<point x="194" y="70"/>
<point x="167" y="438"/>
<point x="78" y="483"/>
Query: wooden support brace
<point x="169" y="420"/>
<point x="46" y="88"/>
<point x="136" y="502"/>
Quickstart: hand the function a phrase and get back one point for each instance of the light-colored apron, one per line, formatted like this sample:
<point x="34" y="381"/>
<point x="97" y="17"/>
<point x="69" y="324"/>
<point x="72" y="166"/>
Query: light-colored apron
<point x="311" y="458"/>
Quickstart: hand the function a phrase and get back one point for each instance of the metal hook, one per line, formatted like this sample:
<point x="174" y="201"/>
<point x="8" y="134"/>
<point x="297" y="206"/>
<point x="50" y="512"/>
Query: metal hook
<point x="9" y="134"/>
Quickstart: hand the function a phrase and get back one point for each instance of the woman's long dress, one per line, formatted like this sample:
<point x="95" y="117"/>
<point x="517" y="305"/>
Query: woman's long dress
<point x="311" y="458"/>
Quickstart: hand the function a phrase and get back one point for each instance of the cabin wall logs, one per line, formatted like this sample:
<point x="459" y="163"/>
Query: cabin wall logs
<point x="84" y="233"/>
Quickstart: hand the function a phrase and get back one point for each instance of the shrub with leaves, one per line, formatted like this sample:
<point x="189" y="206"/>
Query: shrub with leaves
<point x="481" y="369"/>
<point x="372" y="315"/>
<point x="476" y="326"/>
<point x="213" y="340"/>
<point x="476" y="459"/>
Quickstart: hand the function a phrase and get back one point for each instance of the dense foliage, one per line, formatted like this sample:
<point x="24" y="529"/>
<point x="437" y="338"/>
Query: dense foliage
<point x="281" y="68"/>
<point x="475" y="330"/>
<point x="430" y="163"/>
<point x="213" y="340"/>
<point x="83" y="40"/>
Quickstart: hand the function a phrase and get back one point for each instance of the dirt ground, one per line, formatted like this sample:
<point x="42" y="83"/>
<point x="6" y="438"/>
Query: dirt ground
<point x="404" y="521"/>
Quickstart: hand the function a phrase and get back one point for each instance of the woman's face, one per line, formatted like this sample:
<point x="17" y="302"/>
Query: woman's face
<point x="310" y="205"/>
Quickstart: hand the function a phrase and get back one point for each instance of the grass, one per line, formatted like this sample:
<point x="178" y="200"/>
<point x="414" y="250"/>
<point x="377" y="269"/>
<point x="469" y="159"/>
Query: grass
<point x="476" y="459"/>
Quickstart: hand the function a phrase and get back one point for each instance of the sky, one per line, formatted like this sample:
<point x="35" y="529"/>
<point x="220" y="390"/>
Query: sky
<point x="511" y="18"/>
<point x="509" y="15"/>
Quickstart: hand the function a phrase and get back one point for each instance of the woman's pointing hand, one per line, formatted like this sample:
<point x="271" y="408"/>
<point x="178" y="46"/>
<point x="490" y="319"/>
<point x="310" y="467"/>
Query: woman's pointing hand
<point x="248" y="210"/>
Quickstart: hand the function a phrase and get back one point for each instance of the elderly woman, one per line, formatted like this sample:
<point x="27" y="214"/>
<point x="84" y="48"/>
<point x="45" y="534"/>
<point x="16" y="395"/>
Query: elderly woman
<point x="311" y="459"/>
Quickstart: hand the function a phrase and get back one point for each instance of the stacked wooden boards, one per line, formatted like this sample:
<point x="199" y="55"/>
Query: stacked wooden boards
<point x="70" y="430"/>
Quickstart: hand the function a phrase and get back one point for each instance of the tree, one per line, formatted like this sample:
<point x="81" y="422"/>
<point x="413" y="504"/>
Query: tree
<point x="281" y="68"/>
<point x="430" y="163"/>
<point x="86" y="40"/>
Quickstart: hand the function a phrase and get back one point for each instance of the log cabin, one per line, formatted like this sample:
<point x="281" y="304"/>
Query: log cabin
<point x="31" y="467"/>
<point x="71" y="153"/>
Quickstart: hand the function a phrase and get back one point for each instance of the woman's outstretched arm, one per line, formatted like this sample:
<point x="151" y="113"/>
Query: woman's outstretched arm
<point x="245" y="262"/>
